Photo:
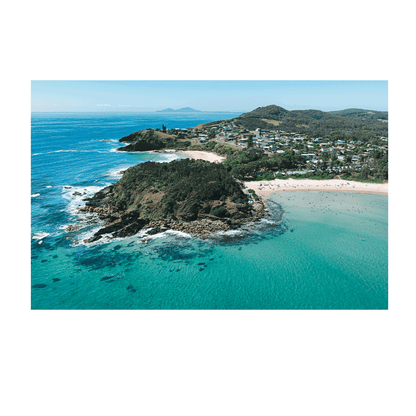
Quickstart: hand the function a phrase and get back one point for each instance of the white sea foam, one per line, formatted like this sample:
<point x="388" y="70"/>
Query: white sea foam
<point x="49" y="186"/>
<point x="229" y="233"/>
<point x="169" y="157"/>
<point x="108" y="238"/>
<point x="117" y="173"/>
<point x="39" y="235"/>
<point x="34" y="195"/>
<point x="76" y="194"/>
<point x="85" y="236"/>
<point x="177" y="233"/>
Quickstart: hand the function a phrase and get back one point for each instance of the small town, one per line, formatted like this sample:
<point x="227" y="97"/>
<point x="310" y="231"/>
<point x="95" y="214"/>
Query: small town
<point x="322" y="154"/>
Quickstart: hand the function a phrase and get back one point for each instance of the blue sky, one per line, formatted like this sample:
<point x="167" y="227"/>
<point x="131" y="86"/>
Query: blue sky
<point x="206" y="95"/>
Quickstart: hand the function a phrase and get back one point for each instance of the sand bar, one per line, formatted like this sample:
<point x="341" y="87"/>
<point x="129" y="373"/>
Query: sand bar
<point x="266" y="188"/>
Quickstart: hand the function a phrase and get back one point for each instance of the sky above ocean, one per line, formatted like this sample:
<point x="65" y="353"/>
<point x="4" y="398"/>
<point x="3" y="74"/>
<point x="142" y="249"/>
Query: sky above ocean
<point x="240" y="96"/>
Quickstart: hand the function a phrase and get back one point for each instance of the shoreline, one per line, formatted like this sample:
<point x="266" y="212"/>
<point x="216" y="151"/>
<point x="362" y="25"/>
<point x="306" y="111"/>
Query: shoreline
<point x="264" y="189"/>
<point x="198" y="154"/>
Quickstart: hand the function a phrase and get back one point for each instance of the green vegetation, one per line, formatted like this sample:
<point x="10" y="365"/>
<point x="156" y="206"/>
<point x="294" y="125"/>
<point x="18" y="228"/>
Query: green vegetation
<point x="253" y="193"/>
<point x="251" y="162"/>
<point x="219" y="212"/>
<point x="348" y="124"/>
<point x="185" y="189"/>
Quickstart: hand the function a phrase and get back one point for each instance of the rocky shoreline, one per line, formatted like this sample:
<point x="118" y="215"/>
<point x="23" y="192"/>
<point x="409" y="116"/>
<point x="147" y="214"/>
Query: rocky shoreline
<point x="191" y="196"/>
<point x="125" y="224"/>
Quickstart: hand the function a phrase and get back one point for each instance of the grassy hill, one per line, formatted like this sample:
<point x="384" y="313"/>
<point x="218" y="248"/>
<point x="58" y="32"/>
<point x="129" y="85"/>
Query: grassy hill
<point x="350" y="123"/>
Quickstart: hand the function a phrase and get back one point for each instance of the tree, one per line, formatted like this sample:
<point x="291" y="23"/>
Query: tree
<point x="250" y="141"/>
<point x="163" y="128"/>
<point x="211" y="134"/>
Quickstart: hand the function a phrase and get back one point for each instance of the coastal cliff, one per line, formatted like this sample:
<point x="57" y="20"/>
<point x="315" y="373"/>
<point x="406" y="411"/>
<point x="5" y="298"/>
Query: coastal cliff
<point x="187" y="195"/>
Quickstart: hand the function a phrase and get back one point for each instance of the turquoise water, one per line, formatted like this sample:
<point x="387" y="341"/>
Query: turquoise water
<point x="316" y="251"/>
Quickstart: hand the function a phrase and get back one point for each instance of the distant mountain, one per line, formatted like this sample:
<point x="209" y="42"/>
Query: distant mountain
<point x="180" y="110"/>
<point x="349" y="123"/>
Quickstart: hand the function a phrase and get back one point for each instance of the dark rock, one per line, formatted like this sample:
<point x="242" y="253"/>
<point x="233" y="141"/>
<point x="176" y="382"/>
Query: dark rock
<point x="39" y="286"/>
<point x="92" y="239"/>
<point x="71" y="228"/>
<point x="153" y="231"/>
<point x="107" y="278"/>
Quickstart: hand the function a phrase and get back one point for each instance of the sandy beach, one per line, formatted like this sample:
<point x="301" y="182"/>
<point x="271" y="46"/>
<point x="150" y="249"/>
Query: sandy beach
<point x="266" y="188"/>
<point x="195" y="154"/>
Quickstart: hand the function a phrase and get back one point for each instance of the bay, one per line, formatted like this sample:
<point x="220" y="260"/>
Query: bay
<point x="328" y="250"/>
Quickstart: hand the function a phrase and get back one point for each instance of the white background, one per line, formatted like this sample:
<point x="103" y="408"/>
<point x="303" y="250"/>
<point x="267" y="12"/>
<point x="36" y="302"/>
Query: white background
<point x="22" y="119"/>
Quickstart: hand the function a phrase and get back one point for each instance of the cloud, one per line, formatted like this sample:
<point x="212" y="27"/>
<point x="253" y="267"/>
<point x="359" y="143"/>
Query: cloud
<point x="103" y="105"/>
<point x="124" y="105"/>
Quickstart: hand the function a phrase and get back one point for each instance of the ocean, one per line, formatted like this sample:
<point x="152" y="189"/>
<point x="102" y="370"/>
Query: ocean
<point x="317" y="250"/>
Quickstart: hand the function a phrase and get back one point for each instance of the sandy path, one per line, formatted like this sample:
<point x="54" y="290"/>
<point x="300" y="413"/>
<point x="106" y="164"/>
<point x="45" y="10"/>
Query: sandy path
<point x="266" y="188"/>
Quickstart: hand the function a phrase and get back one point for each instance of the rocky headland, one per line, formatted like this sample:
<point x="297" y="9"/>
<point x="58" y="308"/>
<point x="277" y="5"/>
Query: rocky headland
<point x="146" y="140"/>
<point x="192" y="196"/>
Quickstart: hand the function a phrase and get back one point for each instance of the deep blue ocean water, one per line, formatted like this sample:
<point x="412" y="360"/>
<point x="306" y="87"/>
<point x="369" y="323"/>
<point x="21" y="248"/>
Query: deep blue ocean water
<point x="327" y="250"/>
